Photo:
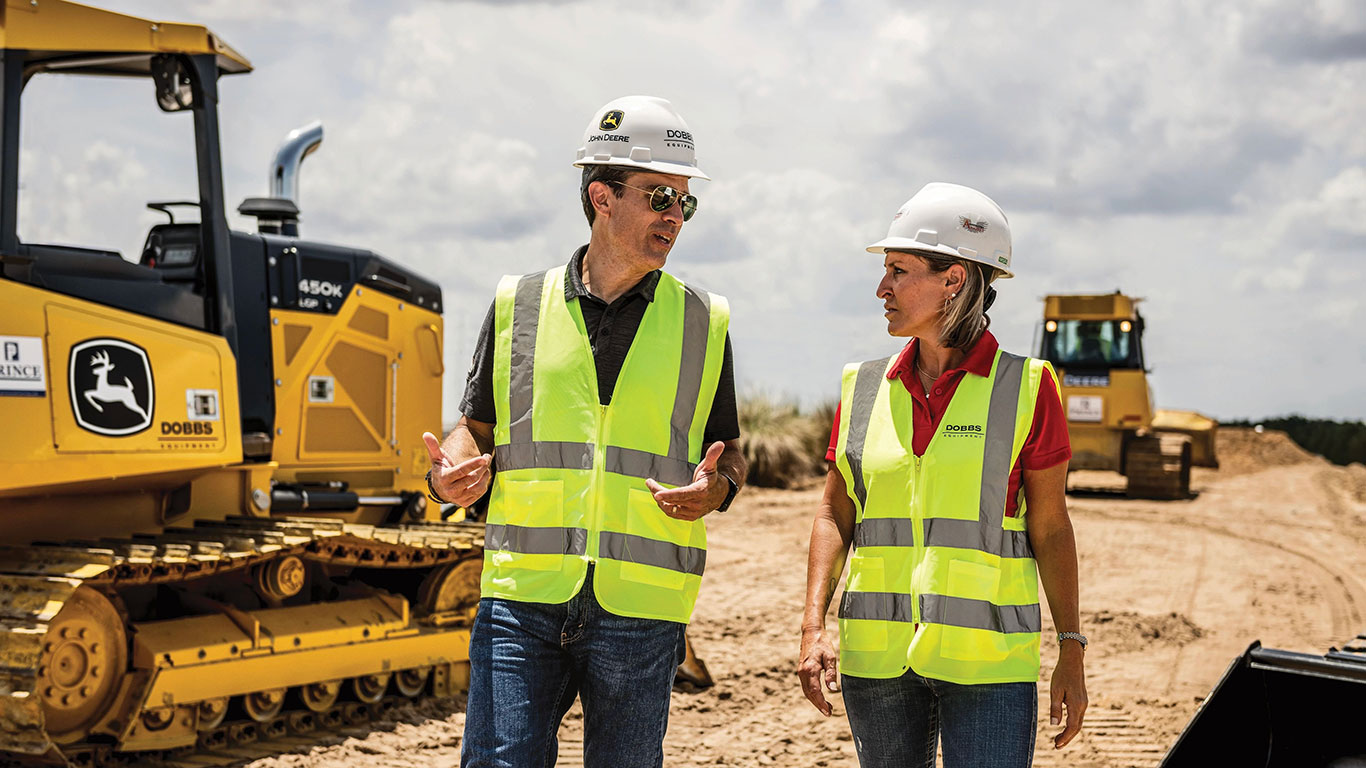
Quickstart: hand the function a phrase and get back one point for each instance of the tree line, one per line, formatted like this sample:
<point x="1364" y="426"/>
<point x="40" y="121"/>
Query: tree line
<point x="1341" y="442"/>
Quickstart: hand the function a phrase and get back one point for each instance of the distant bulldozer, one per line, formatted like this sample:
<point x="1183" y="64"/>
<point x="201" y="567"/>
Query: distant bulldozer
<point x="1095" y="342"/>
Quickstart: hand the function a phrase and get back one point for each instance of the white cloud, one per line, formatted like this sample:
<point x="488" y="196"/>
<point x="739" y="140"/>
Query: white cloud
<point x="1207" y="157"/>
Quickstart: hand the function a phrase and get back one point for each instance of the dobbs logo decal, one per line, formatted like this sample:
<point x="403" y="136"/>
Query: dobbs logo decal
<point x="112" y="392"/>
<point x="963" y="430"/>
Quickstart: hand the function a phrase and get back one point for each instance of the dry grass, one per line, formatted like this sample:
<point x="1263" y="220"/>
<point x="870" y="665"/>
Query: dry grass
<point x="783" y="445"/>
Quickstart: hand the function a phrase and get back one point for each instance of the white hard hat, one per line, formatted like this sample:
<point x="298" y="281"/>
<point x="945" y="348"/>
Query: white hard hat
<point x="644" y="132"/>
<point x="951" y="220"/>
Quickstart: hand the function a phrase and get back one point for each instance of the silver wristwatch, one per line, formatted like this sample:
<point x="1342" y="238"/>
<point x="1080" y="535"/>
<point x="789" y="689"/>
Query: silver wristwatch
<point x="1079" y="637"/>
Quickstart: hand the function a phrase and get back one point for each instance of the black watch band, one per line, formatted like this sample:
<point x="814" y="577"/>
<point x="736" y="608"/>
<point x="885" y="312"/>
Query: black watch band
<point x="431" y="490"/>
<point x="730" y="495"/>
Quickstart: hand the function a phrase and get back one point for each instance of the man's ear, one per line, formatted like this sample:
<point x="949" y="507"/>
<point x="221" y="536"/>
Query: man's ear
<point x="598" y="194"/>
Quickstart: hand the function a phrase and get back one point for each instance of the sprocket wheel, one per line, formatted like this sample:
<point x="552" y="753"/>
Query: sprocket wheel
<point x="85" y="654"/>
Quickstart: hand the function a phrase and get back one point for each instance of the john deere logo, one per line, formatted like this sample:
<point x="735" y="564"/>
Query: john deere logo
<point x="611" y="121"/>
<point x="972" y="226"/>
<point x="111" y="387"/>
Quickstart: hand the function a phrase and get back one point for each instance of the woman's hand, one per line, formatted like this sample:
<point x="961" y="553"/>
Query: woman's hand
<point x="1068" y="688"/>
<point x="819" y="664"/>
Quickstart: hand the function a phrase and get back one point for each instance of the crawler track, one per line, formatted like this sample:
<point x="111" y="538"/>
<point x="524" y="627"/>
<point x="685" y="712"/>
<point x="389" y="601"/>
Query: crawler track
<point x="227" y="633"/>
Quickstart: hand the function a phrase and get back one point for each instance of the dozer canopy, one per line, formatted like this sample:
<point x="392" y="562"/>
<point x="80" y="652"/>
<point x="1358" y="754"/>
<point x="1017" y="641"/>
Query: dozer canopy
<point x="61" y="36"/>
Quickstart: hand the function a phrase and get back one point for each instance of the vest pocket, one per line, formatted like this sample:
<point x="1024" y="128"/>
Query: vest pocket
<point x="532" y="504"/>
<point x="644" y="518"/>
<point x="975" y="581"/>
<point x="866" y="574"/>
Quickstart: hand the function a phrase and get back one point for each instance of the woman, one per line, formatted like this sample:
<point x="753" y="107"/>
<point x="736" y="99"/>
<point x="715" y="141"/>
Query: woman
<point x="937" y="454"/>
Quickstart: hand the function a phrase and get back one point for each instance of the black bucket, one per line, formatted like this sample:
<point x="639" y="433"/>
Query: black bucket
<point x="1281" y="709"/>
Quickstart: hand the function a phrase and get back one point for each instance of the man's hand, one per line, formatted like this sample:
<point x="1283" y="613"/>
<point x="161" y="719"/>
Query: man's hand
<point x="819" y="663"/>
<point x="460" y="484"/>
<point x="1068" y="687"/>
<point x="706" y="492"/>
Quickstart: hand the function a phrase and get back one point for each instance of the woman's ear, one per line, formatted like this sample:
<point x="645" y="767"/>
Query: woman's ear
<point x="955" y="277"/>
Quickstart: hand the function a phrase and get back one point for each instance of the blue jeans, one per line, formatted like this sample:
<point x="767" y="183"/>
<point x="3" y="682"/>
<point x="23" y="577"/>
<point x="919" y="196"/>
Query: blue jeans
<point x="896" y="722"/>
<point x="529" y="660"/>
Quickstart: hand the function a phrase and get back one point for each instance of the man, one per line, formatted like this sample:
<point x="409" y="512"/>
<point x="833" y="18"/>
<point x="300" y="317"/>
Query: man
<point x="602" y="391"/>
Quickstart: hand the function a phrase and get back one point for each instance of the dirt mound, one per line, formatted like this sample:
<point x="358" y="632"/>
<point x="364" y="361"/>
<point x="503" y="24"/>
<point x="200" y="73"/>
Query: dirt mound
<point x="1242" y="451"/>
<point x="1355" y="481"/>
<point x="1128" y="631"/>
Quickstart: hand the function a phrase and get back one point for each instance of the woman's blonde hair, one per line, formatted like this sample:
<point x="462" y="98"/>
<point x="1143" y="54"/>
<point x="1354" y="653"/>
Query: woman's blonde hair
<point x="964" y="317"/>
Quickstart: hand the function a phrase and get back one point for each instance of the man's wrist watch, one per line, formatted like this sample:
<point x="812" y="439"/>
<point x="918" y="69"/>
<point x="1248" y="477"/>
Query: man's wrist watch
<point x="730" y="495"/>
<point x="1079" y="637"/>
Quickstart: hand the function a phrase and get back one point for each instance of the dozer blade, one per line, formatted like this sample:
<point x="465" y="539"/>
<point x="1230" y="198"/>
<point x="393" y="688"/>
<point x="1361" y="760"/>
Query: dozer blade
<point x="692" y="674"/>
<point x="1280" y="709"/>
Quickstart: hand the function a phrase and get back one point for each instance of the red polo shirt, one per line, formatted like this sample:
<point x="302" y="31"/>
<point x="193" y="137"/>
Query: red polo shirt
<point x="1046" y="446"/>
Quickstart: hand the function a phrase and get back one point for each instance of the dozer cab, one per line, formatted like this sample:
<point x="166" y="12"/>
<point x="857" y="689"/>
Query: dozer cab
<point x="213" y="526"/>
<point x="1095" y="343"/>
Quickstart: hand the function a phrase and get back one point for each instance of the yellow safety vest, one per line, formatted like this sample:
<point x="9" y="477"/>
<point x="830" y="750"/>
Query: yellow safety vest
<point x="940" y="580"/>
<point x="570" y="487"/>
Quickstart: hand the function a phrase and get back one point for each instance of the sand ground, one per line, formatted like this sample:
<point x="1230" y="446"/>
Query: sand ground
<point x="1171" y="592"/>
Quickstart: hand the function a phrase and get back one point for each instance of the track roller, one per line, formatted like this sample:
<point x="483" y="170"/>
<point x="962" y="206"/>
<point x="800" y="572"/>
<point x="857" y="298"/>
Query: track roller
<point x="319" y="697"/>
<point x="412" y="682"/>
<point x="370" y="688"/>
<point x="263" y="706"/>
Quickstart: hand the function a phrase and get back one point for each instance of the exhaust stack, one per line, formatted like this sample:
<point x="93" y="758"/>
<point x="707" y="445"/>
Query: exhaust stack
<point x="279" y="213"/>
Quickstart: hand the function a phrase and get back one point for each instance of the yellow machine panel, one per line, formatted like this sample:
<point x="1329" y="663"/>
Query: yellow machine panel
<point x="125" y="395"/>
<point x="355" y="390"/>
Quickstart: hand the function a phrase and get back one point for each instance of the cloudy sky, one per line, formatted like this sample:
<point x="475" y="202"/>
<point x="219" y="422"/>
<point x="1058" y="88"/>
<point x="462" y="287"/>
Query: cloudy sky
<point x="1208" y="157"/>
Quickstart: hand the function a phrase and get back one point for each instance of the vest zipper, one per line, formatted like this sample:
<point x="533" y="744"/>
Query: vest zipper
<point x="599" y="469"/>
<point x="917" y="492"/>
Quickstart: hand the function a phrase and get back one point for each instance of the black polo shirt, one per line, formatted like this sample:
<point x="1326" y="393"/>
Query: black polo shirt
<point x="611" y="329"/>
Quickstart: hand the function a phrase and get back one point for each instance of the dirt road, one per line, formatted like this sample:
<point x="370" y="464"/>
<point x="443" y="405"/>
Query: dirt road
<point x="1171" y="593"/>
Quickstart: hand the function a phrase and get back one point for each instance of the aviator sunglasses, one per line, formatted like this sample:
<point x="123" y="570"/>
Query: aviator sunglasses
<point x="662" y="199"/>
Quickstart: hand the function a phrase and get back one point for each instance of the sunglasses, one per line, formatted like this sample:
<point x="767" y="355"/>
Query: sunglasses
<point x="662" y="198"/>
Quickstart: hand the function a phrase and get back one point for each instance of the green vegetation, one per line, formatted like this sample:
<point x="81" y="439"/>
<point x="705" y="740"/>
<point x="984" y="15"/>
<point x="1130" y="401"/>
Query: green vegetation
<point x="783" y="445"/>
<point x="1341" y="442"/>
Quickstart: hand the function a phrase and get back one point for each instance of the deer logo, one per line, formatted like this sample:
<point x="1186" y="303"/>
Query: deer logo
<point x="104" y="392"/>
<point x="111" y="387"/>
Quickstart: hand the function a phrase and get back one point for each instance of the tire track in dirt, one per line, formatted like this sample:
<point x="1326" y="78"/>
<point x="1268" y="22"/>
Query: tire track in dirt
<point x="1346" y="600"/>
<point x="1194" y="591"/>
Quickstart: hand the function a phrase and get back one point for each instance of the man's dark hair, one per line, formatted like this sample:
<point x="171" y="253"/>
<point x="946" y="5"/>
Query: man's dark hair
<point x="611" y="175"/>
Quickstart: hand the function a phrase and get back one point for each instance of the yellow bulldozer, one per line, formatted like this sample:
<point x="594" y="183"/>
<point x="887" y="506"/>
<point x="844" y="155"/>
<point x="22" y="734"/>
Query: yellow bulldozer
<point x="213" y="520"/>
<point x="1095" y="342"/>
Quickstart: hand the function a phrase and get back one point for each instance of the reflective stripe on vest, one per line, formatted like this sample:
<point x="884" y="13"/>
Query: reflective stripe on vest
<point x="942" y="609"/>
<point x="885" y="630"/>
<point x="535" y="541"/>
<point x="570" y="483"/>
<point x="522" y="452"/>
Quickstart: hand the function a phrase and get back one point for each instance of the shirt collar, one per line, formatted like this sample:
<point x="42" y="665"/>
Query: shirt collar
<point x="978" y="360"/>
<point x="574" y="287"/>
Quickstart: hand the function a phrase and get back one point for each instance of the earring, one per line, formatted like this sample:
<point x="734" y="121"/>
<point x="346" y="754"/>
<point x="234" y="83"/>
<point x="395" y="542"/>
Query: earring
<point x="953" y="295"/>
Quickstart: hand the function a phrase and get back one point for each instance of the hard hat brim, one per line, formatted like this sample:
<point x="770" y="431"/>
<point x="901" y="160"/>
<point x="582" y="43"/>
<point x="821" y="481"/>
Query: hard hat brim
<point x="655" y="166"/>
<point x="915" y="246"/>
